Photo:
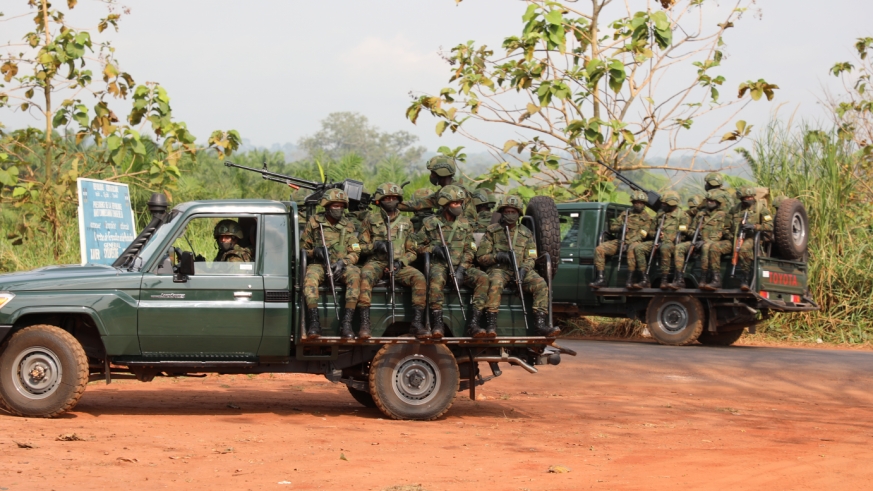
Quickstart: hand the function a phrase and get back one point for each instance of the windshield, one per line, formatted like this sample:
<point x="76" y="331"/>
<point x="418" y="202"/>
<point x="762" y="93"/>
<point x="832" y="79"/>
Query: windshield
<point x="152" y="245"/>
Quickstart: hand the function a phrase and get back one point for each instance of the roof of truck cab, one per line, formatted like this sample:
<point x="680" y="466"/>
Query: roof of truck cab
<point x="232" y="206"/>
<point x="589" y="205"/>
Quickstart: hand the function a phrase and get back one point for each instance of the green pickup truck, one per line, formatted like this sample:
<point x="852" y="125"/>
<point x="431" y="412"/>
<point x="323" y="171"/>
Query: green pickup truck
<point x="160" y="312"/>
<point x="684" y="316"/>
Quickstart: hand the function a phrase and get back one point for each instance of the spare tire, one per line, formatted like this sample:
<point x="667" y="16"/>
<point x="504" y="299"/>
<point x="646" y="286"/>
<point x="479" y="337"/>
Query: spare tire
<point x="791" y="230"/>
<point x="547" y="229"/>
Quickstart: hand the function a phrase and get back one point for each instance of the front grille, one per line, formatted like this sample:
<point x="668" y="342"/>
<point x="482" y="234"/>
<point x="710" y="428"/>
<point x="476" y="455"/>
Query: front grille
<point x="278" y="296"/>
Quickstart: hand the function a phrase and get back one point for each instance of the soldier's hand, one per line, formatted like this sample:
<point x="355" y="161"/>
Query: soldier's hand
<point x="521" y="274"/>
<point x="338" y="267"/>
<point x="319" y="253"/>
<point x="749" y="227"/>
<point x="397" y="265"/>
<point x="380" y="246"/>
<point x="459" y="274"/>
<point x="503" y="258"/>
<point x="439" y="252"/>
<point x="698" y="244"/>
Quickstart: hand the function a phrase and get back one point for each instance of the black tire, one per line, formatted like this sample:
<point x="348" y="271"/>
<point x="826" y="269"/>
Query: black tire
<point x="791" y="230"/>
<point x="720" y="338"/>
<point x="362" y="396"/>
<point x="548" y="230"/>
<point x="414" y="381"/>
<point x="675" y="321"/>
<point x="62" y="369"/>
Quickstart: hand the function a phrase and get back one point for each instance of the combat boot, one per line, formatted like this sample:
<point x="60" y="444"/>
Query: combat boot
<point x="703" y="284"/>
<point x="679" y="282"/>
<point x="715" y="284"/>
<point x="346" y="325"/>
<point x="418" y="329"/>
<point x="543" y="327"/>
<point x="313" y="329"/>
<point x="491" y="324"/>
<point x="665" y="281"/>
<point x="746" y="281"/>
<point x="436" y="324"/>
<point x="629" y="284"/>
<point x="364" y="314"/>
<point x="599" y="280"/>
<point x="644" y="281"/>
<point x="474" y="329"/>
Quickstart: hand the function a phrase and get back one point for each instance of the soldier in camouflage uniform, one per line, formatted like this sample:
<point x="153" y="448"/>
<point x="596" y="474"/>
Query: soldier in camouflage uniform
<point x="458" y="233"/>
<point x="374" y="242"/>
<point x="640" y="227"/>
<point x="227" y="234"/>
<point x="715" y="182"/>
<point x="494" y="254"/>
<point x="442" y="173"/>
<point x="759" y="219"/>
<point x="674" y="225"/>
<point x="484" y="202"/>
<point x="694" y="213"/>
<point x="715" y="238"/>
<point x="419" y="215"/>
<point x="343" y="251"/>
<point x="695" y="204"/>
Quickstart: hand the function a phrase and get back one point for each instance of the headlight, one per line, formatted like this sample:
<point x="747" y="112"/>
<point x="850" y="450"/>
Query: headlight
<point x="5" y="297"/>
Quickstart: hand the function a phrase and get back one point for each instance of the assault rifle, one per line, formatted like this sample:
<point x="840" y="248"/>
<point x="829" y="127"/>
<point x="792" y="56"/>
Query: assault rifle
<point x="390" y="264"/>
<point x="452" y="269"/>
<point x="328" y="271"/>
<point x="653" y="199"/>
<point x="741" y="235"/>
<point x="517" y="275"/>
<point x="693" y="241"/>
<point x="656" y="244"/>
<point x="358" y="199"/>
<point x="623" y="236"/>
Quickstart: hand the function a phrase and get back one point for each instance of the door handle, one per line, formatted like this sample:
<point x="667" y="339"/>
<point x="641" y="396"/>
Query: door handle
<point x="242" y="294"/>
<point x="566" y="260"/>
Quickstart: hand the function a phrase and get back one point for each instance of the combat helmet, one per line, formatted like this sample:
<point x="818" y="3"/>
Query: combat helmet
<point x="442" y="166"/>
<point x="718" y="196"/>
<point x="334" y="196"/>
<point x="714" y="179"/>
<point x="695" y="201"/>
<point x="481" y="197"/>
<point x="227" y="227"/>
<point x="388" y="189"/>
<point x="671" y="198"/>
<point x="511" y="202"/>
<point x="450" y="193"/>
<point x="747" y="192"/>
<point x="639" y="196"/>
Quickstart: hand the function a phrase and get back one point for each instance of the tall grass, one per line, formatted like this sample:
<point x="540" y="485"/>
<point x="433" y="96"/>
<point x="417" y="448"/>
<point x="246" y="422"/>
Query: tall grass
<point x="829" y="175"/>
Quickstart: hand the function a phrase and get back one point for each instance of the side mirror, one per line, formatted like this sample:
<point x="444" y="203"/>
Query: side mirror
<point x="185" y="267"/>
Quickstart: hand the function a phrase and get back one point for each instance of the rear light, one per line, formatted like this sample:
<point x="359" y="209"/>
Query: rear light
<point x="795" y="298"/>
<point x="764" y="294"/>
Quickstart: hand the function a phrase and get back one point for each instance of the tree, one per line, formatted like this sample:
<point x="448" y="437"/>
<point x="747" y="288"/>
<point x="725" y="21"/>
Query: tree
<point x="55" y="74"/>
<point x="342" y="133"/>
<point x="577" y="89"/>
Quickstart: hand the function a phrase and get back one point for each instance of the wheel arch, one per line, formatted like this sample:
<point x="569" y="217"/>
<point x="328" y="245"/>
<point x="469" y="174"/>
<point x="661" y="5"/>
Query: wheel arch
<point x="82" y="322"/>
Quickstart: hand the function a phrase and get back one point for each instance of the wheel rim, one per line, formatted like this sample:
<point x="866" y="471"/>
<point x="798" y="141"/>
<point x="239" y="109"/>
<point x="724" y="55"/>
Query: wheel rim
<point x="673" y="317"/>
<point x="416" y="380"/>
<point x="798" y="231"/>
<point x="37" y="372"/>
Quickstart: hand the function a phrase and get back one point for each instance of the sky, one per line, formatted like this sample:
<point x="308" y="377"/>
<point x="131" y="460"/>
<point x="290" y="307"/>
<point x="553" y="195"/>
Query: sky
<point x="273" y="70"/>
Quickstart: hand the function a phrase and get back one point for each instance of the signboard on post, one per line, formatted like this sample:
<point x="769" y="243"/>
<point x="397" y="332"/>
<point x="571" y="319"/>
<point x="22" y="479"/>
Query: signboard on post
<point x="106" y="221"/>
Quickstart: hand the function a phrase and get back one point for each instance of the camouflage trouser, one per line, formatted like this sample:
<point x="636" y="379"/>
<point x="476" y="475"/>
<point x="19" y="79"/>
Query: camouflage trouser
<point x="473" y="278"/>
<point x="608" y="248"/>
<point x="533" y="283"/>
<point x="746" y="255"/>
<point x="712" y="252"/>
<point x="679" y="255"/>
<point x="374" y="271"/>
<point x="643" y="250"/>
<point x="351" y="277"/>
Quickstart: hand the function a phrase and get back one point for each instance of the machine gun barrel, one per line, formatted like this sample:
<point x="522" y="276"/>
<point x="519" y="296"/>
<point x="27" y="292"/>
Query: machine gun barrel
<point x="328" y="271"/>
<point x="741" y="235"/>
<point x="292" y="181"/>
<point x="656" y="244"/>
<point x="653" y="199"/>
<point x="517" y="274"/>
<point x="452" y="270"/>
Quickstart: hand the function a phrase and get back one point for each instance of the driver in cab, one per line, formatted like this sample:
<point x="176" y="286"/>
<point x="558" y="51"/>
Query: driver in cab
<point x="227" y="234"/>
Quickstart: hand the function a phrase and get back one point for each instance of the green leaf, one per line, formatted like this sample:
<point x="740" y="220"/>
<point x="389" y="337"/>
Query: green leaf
<point x="441" y="127"/>
<point x="19" y="191"/>
<point x="508" y="145"/>
<point x="525" y="192"/>
<point x="554" y="17"/>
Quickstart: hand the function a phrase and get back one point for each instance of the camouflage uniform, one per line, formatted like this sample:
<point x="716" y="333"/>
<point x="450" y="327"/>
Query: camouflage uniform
<point x="675" y="223"/>
<point x="441" y="166"/>
<point x="342" y="243"/>
<point x="640" y="227"/>
<point x="419" y="215"/>
<point x="499" y="274"/>
<point x="715" y="182"/>
<point x="462" y="248"/>
<point x="482" y="197"/>
<point x="375" y="229"/>
<point x="760" y="219"/>
<point x="236" y="255"/>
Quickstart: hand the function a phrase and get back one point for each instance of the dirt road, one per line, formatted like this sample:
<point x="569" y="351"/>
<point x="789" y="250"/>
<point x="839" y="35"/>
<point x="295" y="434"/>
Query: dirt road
<point x="619" y="416"/>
